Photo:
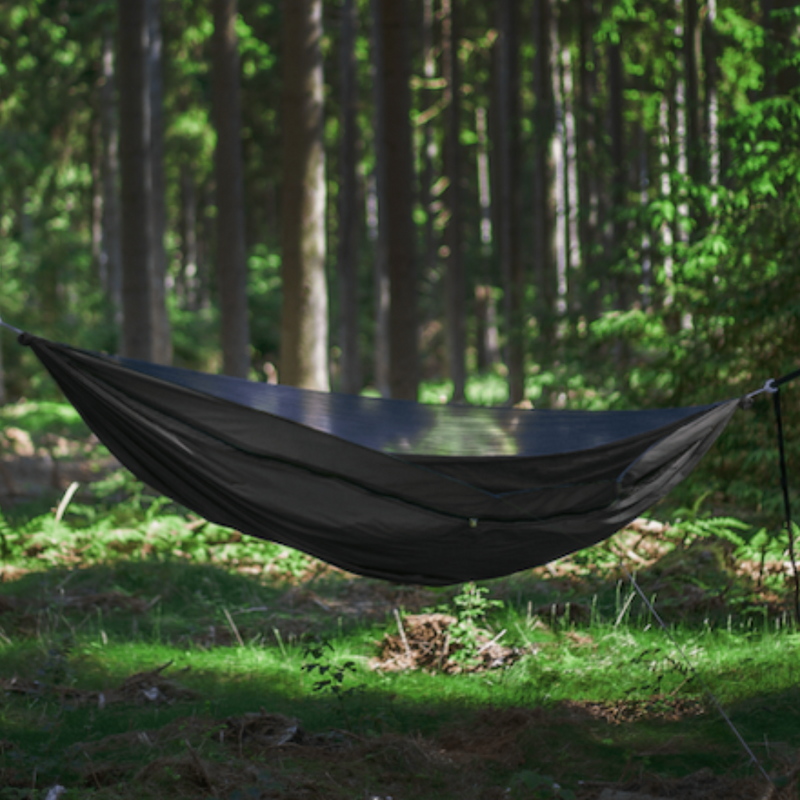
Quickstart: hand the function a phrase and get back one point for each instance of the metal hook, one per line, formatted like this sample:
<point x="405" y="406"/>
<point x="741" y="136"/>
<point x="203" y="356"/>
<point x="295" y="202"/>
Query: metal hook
<point x="769" y="386"/>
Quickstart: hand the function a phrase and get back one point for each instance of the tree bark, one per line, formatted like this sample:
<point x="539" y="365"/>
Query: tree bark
<point x="110" y="253"/>
<point x="403" y="360"/>
<point x="430" y="100"/>
<point x="507" y="158"/>
<point x="455" y="288"/>
<point x="348" y="212"/>
<point x="615" y="132"/>
<point x="382" y="290"/>
<point x="96" y="144"/>
<point x="543" y="211"/>
<point x="231" y="254"/>
<point x="162" y="339"/>
<point x="586" y="157"/>
<point x="189" y="254"/>
<point x="304" y="327"/>
<point x="136" y="175"/>
<point x="558" y="151"/>
<point x="691" y="60"/>
<point x="711" y="94"/>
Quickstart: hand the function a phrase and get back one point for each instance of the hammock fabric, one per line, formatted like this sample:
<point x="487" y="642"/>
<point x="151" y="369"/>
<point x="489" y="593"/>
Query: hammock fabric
<point x="391" y="489"/>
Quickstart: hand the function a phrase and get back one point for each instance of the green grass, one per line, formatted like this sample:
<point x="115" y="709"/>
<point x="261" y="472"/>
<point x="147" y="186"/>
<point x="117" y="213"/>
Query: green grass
<point x="615" y="659"/>
<point x="127" y="583"/>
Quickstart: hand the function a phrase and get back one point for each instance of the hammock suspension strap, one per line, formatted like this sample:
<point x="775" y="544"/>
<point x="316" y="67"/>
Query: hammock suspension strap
<point x="776" y="402"/>
<point x="10" y="327"/>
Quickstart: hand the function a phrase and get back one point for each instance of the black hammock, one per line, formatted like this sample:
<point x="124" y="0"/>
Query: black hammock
<point x="387" y="488"/>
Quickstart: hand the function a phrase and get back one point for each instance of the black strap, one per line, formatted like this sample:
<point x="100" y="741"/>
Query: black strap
<point x="786" y="378"/>
<point x="776" y="400"/>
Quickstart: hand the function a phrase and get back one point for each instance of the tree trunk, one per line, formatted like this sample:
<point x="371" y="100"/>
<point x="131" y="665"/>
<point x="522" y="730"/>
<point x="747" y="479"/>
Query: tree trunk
<point x="162" y="341"/>
<point x="586" y="159"/>
<point x="571" y="181"/>
<point x="429" y="146"/>
<point x="377" y="220"/>
<point x="97" y="201"/>
<point x="618" y="161"/>
<point x="644" y="198"/>
<point x="189" y="255"/>
<point x="136" y="174"/>
<point x="558" y="151"/>
<point x="544" y="123"/>
<point x="110" y="253"/>
<point x="507" y="149"/>
<point x="348" y="212"/>
<point x="403" y="361"/>
<point x="455" y="288"/>
<point x="231" y="254"/>
<point x="304" y="326"/>
<point x="666" y="165"/>
<point x="487" y="346"/>
<point x="711" y="96"/>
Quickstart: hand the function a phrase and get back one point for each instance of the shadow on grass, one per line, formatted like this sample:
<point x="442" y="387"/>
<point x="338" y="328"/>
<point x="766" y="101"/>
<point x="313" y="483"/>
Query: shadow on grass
<point x="83" y="704"/>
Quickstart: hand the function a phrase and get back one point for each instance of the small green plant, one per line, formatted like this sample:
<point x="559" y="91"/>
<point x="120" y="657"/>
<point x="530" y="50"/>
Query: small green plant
<point x="472" y="605"/>
<point x="316" y="659"/>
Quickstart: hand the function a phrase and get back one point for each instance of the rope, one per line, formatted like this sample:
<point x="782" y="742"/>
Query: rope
<point x="699" y="677"/>
<point x="10" y="327"/>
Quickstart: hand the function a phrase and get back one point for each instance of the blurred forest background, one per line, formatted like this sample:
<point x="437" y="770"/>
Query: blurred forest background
<point x="573" y="203"/>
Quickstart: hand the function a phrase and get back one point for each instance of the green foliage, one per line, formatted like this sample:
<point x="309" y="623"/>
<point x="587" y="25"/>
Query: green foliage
<point x="471" y="607"/>
<point x="332" y="676"/>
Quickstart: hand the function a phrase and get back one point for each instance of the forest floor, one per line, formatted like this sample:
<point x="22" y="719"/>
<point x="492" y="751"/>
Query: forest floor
<point x="145" y="653"/>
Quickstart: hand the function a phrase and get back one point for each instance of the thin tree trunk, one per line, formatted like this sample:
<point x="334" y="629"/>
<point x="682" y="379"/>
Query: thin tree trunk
<point x="136" y="175"/>
<point x="618" y="161"/>
<point x="544" y="123"/>
<point x="110" y="254"/>
<point x="231" y="254"/>
<point x="488" y="341"/>
<point x="484" y="187"/>
<point x="189" y="261"/>
<point x="665" y="159"/>
<point x="572" y="201"/>
<point x="587" y="169"/>
<point x="487" y="344"/>
<point x="379" y="229"/>
<point x="304" y="327"/>
<point x="162" y="342"/>
<point x="403" y="362"/>
<point x="691" y="60"/>
<point x="455" y="288"/>
<point x="558" y="147"/>
<point x="644" y="182"/>
<point x="429" y="145"/>
<point x="97" y="202"/>
<point x="711" y="95"/>
<point x="507" y="149"/>
<point x="348" y="216"/>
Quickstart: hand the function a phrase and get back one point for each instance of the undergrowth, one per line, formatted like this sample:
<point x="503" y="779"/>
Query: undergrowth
<point x="134" y="637"/>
